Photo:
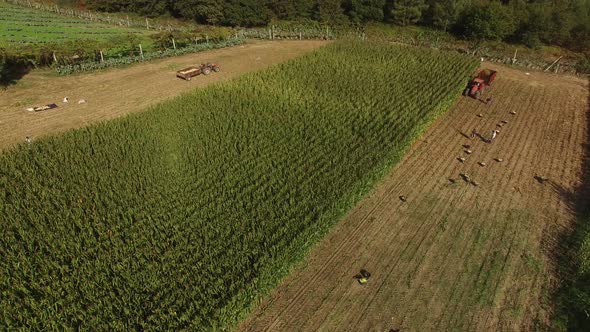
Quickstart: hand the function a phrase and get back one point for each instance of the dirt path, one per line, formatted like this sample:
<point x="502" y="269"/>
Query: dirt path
<point x="117" y="92"/>
<point x="454" y="256"/>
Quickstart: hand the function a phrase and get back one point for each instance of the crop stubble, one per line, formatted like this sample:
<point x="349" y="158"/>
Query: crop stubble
<point x="454" y="256"/>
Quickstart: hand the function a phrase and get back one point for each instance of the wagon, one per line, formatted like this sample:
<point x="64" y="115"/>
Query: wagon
<point x="476" y="86"/>
<point x="190" y="72"/>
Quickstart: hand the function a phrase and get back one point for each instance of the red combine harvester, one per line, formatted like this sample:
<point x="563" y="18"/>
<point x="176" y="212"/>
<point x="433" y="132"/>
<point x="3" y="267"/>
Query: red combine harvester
<point x="478" y="84"/>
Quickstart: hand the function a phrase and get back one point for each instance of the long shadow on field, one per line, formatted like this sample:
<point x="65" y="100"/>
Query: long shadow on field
<point x="571" y="299"/>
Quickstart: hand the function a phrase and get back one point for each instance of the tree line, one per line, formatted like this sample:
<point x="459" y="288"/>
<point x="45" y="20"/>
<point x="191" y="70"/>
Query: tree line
<point x="531" y="22"/>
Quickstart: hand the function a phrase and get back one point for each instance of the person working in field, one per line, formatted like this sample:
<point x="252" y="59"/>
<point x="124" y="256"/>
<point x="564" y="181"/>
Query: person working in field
<point x="494" y="134"/>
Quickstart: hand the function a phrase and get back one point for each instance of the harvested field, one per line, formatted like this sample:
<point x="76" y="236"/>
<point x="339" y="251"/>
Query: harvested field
<point x="451" y="255"/>
<point x="118" y="92"/>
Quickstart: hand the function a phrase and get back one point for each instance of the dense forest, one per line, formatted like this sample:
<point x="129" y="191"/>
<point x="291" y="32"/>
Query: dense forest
<point x="531" y="22"/>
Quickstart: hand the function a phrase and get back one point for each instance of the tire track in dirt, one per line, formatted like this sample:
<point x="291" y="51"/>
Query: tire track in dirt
<point x="452" y="256"/>
<point x="523" y="162"/>
<point x="431" y="235"/>
<point x="519" y="161"/>
<point x="473" y="166"/>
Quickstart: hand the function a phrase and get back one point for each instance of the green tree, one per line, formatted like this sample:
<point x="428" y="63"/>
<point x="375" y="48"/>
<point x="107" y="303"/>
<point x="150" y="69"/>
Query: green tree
<point x="246" y="13"/>
<point x="442" y="14"/>
<point x="143" y="7"/>
<point x="406" y="12"/>
<point x="291" y="9"/>
<point x="201" y="11"/>
<point x="561" y="22"/>
<point x="329" y="11"/>
<point x="487" y="21"/>
<point x="533" y="25"/>
<point x="109" y="5"/>
<point x="364" y="10"/>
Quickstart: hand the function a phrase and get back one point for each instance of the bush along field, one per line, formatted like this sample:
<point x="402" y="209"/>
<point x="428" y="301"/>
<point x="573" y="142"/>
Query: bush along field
<point x="183" y="216"/>
<point x="127" y="60"/>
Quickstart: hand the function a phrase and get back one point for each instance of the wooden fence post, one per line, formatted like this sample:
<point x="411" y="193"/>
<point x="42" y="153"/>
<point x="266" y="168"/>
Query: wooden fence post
<point x="207" y="38"/>
<point x="54" y="58"/>
<point x="101" y="56"/>
<point x="300" y="35"/>
<point x="128" y="24"/>
<point x="147" y="23"/>
<point x="554" y="62"/>
<point x="141" y="51"/>
<point x="514" y="57"/>
<point x="174" y="43"/>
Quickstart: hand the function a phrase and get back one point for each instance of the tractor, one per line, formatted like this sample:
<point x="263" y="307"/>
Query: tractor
<point x="190" y="72"/>
<point x="476" y="86"/>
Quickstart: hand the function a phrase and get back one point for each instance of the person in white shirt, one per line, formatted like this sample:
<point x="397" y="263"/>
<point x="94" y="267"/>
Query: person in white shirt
<point x="494" y="134"/>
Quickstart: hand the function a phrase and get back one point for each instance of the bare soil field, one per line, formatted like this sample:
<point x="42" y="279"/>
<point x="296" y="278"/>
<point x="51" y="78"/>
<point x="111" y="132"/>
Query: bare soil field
<point x="117" y="92"/>
<point x="454" y="255"/>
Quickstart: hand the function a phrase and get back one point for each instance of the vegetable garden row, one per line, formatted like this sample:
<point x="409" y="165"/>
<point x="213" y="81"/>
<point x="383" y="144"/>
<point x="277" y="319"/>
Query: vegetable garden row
<point x="35" y="26"/>
<point x="183" y="216"/>
<point x="134" y="58"/>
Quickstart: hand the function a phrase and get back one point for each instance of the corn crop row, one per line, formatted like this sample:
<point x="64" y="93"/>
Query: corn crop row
<point x="182" y="217"/>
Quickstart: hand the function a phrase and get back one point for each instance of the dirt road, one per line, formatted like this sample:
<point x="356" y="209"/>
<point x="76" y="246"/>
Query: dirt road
<point x="117" y="92"/>
<point x="454" y="256"/>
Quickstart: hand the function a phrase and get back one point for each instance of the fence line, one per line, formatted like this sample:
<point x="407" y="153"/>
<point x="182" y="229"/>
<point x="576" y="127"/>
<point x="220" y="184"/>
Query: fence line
<point x="272" y="32"/>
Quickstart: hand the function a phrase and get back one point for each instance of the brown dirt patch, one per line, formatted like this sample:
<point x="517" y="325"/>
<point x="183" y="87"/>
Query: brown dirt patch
<point x="453" y="256"/>
<point x="117" y="92"/>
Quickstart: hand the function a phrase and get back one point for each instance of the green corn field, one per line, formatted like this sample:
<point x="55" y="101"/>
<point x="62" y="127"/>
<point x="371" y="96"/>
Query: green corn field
<point x="183" y="216"/>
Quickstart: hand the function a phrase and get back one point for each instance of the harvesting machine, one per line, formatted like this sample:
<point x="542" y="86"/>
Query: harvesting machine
<point x="476" y="86"/>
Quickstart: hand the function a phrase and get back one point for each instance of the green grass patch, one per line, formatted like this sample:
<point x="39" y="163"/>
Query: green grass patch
<point x="573" y="311"/>
<point x="21" y="25"/>
<point x="183" y="216"/>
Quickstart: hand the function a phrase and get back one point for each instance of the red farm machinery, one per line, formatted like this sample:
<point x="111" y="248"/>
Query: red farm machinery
<point x="190" y="72"/>
<point x="476" y="86"/>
